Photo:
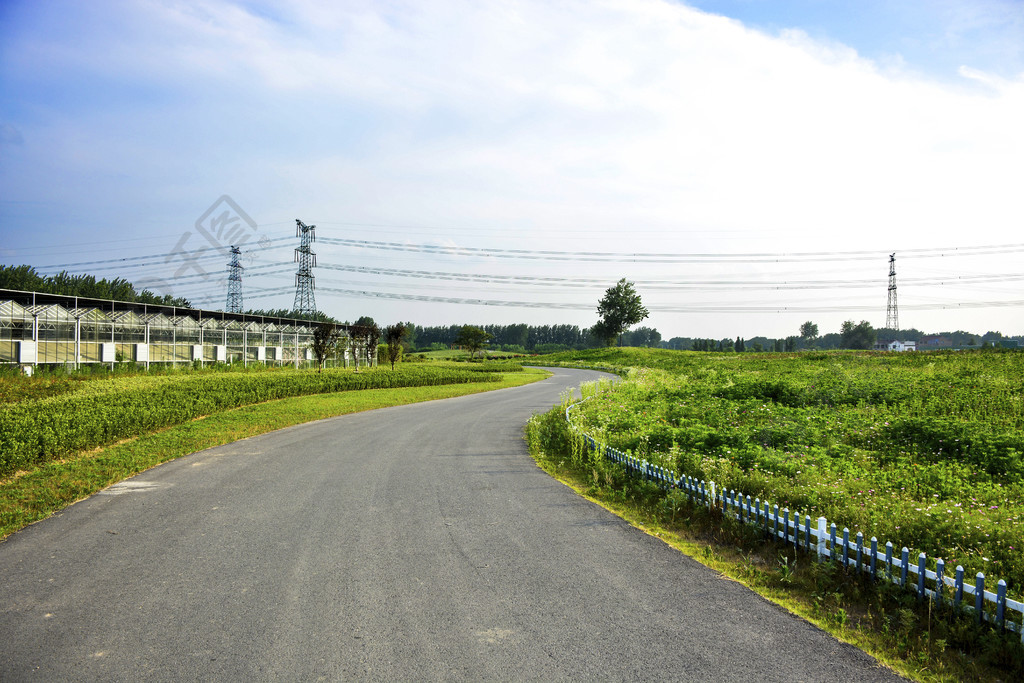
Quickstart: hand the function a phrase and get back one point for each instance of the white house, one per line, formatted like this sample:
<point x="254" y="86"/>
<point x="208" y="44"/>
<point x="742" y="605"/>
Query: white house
<point x="901" y="346"/>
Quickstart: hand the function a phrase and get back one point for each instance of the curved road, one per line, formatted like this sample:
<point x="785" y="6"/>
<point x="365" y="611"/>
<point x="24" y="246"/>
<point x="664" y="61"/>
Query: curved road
<point x="410" y="543"/>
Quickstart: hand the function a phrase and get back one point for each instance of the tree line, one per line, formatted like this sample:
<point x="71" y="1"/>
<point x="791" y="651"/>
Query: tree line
<point x="26" y="279"/>
<point x="521" y="337"/>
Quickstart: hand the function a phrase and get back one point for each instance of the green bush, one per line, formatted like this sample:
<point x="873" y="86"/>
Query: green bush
<point x="104" y="411"/>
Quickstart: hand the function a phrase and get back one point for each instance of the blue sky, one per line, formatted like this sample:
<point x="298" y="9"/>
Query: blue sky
<point x="934" y="37"/>
<point x="847" y="130"/>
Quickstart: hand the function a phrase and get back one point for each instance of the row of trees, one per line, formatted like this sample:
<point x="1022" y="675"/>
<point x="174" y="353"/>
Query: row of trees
<point x="26" y="279"/>
<point x="522" y="338"/>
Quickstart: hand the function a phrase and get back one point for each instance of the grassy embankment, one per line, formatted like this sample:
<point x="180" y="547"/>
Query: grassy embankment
<point x="923" y="450"/>
<point x="64" y="438"/>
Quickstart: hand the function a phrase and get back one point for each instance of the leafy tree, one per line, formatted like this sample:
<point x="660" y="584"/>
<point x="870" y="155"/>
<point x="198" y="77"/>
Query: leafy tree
<point x="740" y="345"/>
<point x="473" y="338"/>
<point x="409" y="341"/>
<point x="365" y="321"/>
<point x="618" y="310"/>
<point x="859" y="336"/>
<point x="809" y="332"/>
<point x="325" y="340"/>
<point x="642" y="336"/>
<point x="393" y="336"/>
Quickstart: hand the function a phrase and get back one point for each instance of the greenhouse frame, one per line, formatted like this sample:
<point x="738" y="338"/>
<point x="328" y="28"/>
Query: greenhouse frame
<point x="51" y="329"/>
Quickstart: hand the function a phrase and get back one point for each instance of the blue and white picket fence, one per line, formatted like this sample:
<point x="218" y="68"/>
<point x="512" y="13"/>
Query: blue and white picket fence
<point x="820" y="537"/>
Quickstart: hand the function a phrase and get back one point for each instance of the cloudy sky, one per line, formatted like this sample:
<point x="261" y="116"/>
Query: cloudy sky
<point x="749" y="164"/>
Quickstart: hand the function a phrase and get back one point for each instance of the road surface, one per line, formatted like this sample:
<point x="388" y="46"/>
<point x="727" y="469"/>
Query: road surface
<point x="414" y="543"/>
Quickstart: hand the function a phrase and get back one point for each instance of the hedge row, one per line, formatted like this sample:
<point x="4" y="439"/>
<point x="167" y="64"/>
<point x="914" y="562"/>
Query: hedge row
<point x="35" y="432"/>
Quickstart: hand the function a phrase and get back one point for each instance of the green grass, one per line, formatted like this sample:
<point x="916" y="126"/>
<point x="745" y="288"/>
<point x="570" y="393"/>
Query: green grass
<point x="920" y="449"/>
<point x="104" y="410"/>
<point x="923" y="450"/>
<point x="49" y="487"/>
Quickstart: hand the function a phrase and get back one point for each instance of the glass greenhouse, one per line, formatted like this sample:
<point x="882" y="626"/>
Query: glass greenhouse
<point x="50" y="329"/>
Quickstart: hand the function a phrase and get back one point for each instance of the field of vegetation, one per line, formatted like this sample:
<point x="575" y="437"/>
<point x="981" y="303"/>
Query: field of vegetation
<point x="922" y="449"/>
<point x="47" y="418"/>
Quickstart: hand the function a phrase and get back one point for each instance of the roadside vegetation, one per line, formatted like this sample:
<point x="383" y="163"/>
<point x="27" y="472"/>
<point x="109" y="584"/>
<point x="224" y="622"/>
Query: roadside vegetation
<point x="924" y="450"/>
<point x="64" y="437"/>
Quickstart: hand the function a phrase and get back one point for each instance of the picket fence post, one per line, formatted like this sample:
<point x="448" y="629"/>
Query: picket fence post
<point x="1001" y="604"/>
<point x="822" y="523"/>
<point x="979" y="596"/>
<point x="959" y="594"/>
<point x="920" y="576"/>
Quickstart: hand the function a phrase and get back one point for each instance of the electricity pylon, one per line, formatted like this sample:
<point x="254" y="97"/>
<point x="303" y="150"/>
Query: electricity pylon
<point x="892" y="312"/>
<point x="305" y="303"/>
<point x="235" y="281"/>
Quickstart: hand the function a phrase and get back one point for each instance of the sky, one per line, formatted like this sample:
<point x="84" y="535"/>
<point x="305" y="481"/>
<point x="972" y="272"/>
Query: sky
<point x="748" y="164"/>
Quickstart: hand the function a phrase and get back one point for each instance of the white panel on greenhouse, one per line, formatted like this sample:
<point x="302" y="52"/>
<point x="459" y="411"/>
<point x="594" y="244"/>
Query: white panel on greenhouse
<point x="108" y="352"/>
<point x="26" y="351"/>
<point x="142" y="353"/>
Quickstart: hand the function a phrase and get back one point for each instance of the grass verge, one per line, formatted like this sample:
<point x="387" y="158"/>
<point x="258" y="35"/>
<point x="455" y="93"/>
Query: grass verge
<point x="38" y="493"/>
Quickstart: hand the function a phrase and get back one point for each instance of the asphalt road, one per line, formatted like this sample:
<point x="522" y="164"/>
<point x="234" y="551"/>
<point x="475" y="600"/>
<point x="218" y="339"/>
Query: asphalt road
<point x="412" y="543"/>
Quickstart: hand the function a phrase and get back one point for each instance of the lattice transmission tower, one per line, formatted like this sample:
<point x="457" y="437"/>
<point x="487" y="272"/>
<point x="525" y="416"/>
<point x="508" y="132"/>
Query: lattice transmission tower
<point x="892" y="311"/>
<point x="235" y="269"/>
<point x="305" y="303"/>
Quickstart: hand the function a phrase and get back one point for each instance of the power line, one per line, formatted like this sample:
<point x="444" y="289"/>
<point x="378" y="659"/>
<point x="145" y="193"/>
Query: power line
<point x="705" y="308"/>
<point x="705" y="285"/>
<point x="645" y="257"/>
<point x="213" y="255"/>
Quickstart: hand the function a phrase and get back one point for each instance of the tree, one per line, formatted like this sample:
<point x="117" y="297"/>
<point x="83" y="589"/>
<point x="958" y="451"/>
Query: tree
<point x="809" y="332"/>
<point x="393" y="335"/>
<point x="325" y="339"/>
<point x="473" y="338"/>
<point x="859" y="336"/>
<point x="618" y="310"/>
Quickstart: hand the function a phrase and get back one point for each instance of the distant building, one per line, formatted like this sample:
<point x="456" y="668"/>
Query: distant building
<point x="897" y="346"/>
<point x="936" y="341"/>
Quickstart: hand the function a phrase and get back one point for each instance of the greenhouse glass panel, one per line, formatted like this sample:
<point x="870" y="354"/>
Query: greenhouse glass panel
<point x="187" y="334"/>
<point x="129" y="330"/>
<point x="56" y="334"/>
<point x="94" y="328"/>
<point x="161" y="337"/>
<point x="15" y="325"/>
<point x="253" y="339"/>
<point x="236" y="341"/>
<point x="212" y="337"/>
